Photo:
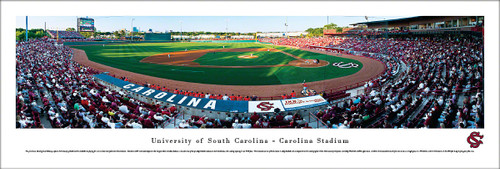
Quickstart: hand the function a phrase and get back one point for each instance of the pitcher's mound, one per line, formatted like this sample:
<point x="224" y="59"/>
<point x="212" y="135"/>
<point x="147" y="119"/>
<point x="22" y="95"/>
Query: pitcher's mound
<point x="248" y="56"/>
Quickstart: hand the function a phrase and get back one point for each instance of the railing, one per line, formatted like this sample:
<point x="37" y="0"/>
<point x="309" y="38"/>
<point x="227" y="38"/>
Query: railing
<point x="457" y="91"/>
<point x="174" y="119"/>
<point x="318" y="121"/>
<point x="269" y="98"/>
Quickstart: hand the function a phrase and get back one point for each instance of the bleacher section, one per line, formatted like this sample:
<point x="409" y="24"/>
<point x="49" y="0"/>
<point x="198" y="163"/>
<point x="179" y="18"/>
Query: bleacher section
<point x="65" y="34"/>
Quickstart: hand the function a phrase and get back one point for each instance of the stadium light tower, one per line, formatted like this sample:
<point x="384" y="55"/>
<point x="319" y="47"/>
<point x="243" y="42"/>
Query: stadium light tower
<point x="132" y="29"/>
<point x="286" y="27"/>
<point x="181" y="31"/>
<point x="227" y="22"/>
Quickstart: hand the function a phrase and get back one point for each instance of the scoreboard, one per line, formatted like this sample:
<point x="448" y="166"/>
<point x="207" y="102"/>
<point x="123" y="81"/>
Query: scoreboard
<point x="85" y="24"/>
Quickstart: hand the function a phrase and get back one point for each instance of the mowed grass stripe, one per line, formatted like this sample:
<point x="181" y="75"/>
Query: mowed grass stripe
<point x="232" y="59"/>
<point x="128" y="56"/>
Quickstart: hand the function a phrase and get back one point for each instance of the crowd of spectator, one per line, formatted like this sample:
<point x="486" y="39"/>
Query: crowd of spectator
<point x="302" y="42"/>
<point x="76" y="40"/>
<point x="441" y="87"/>
<point x="267" y="120"/>
<point x="375" y="32"/>
<point x="232" y="39"/>
<point x="105" y="38"/>
<point x="66" y="34"/>
<point x="87" y="40"/>
<point x="51" y="85"/>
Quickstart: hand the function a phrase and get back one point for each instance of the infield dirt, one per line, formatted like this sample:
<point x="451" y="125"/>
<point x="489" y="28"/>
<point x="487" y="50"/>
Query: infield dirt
<point x="186" y="58"/>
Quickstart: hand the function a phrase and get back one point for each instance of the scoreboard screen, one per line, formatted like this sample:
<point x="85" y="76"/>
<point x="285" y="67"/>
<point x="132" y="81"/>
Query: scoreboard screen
<point x="85" y="24"/>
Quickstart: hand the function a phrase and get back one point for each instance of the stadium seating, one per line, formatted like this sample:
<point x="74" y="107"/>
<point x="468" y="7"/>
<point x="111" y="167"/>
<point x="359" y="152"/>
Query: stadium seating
<point x="65" y="34"/>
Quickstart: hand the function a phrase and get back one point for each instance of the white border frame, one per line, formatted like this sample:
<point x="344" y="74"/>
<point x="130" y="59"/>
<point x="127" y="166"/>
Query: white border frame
<point x="15" y="141"/>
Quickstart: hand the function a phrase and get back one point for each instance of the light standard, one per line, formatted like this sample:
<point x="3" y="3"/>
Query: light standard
<point x="181" y="30"/>
<point x="227" y="20"/>
<point x="286" y="27"/>
<point x="132" y="29"/>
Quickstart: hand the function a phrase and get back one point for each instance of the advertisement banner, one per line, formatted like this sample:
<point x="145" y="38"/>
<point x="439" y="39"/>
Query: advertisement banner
<point x="181" y="100"/>
<point x="304" y="102"/>
<point x="264" y="106"/>
<point x="216" y="105"/>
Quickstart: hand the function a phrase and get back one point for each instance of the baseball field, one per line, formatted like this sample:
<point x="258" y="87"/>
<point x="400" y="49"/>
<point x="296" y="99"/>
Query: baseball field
<point x="221" y="63"/>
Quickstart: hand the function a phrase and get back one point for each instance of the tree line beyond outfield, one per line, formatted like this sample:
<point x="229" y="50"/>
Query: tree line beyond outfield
<point x="39" y="33"/>
<point x="32" y="34"/>
<point x="318" y="32"/>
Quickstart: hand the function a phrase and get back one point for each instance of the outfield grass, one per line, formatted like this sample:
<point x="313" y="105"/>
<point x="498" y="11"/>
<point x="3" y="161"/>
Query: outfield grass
<point x="127" y="57"/>
<point x="231" y="59"/>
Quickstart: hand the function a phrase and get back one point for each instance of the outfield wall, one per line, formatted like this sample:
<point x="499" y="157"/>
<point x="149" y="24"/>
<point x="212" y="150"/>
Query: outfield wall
<point x="92" y="43"/>
<point x="153" y="41"/>
<point x="267" y="43"/>
<point x="225" y="41"/>
<point x="158" y="36"/>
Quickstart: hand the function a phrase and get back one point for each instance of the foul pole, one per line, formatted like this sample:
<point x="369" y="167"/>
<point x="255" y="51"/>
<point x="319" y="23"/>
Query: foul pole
<point x="26" y="28"/>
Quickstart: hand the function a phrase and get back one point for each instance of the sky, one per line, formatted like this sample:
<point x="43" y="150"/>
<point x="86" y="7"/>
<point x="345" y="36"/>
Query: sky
<point x="197" y="23"/>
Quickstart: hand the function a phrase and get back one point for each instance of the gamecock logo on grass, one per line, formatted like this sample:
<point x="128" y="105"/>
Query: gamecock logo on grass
<point x="265" y="106"/>
<point x="345" y="65"/>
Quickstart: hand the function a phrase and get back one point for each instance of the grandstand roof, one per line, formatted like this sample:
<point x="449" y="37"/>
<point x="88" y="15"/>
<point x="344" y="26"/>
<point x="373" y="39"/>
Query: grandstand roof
<point x="389" y="20"/>
<point x="415" y="20"/>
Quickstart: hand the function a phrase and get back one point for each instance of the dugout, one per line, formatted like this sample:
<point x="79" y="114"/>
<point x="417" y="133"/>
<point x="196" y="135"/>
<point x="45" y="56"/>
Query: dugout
<point x="157" y="37"/>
